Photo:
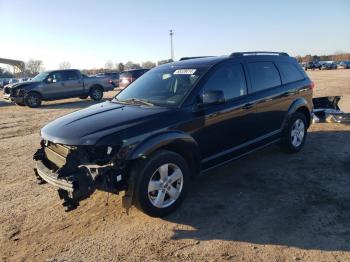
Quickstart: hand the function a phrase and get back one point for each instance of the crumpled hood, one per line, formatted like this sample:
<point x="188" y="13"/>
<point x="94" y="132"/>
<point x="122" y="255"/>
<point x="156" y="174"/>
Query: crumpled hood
<point x="87" y="126"/>
<point x="21" y="85"/>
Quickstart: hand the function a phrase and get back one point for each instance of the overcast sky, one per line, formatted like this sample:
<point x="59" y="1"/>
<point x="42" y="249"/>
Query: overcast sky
<point x="88" y="33"/>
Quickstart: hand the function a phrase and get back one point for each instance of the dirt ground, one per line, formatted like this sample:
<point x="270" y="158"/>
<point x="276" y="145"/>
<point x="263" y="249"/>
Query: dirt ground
<point x="268" y="206"/>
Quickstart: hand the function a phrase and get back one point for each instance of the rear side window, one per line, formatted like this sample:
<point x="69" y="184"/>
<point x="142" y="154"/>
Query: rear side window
<point x="71" y="75"/>
<point x="230" y="79"/>
<point x="289" y="72"/>
<point x="263" y="75"/>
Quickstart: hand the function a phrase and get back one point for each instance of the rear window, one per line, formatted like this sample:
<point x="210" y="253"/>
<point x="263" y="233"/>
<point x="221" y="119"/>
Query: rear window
<point x="125" y="75"/>
<point x="289" y="72"/>
<point x="263" y="75"/>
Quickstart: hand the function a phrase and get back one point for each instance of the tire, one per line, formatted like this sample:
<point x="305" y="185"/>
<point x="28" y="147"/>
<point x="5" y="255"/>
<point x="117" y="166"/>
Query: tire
<point x="32" y="99"/>
<point x="294" y="134"/>
<point x="166" y="196"/>
<point x="96" y="93"/>
<point x="83" y="97"/>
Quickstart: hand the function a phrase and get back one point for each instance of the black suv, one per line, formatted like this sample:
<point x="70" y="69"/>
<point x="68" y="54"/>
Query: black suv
<point x="174" y="122"/>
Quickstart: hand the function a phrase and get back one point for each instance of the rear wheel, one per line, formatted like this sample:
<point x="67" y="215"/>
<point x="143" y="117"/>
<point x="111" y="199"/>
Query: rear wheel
<point x="32" y="99"/>
<point x="162" y="184"/>
<point x="96" y="93"/>
<point x="294" y="134"/>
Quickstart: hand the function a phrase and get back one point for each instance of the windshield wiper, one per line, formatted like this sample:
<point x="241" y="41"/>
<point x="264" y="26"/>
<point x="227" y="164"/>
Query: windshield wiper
<point x="136" y="101"/>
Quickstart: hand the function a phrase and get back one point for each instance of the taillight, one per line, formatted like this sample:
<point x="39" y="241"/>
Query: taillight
<point x="312" y="85"/>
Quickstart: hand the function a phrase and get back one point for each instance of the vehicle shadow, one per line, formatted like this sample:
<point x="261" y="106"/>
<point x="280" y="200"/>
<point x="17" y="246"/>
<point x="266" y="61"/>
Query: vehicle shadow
<point x="6" y="104"/>
<point x="300" y="200"/>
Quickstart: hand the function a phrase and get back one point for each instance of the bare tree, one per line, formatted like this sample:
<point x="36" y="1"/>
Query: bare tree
<point x="109" y="65"/>
<point x="131" y="65"/>
<point x="64" y="65"/>
<point x="162" y="62"/>
<point x="121" y="67"/>
<point x="34" y="67"/>
<point x="148" y="64"/>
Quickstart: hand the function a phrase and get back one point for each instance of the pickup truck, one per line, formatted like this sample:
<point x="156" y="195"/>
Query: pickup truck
<point x="57" y="84"/>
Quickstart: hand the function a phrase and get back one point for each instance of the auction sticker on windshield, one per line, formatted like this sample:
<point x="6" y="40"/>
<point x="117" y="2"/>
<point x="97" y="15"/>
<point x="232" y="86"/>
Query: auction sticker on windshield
<point x="184" y="71"/>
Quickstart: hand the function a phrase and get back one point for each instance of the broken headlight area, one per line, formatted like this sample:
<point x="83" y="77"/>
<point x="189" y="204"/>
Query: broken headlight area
<point x="326" y="110"/>
<point x="77" y="171"/>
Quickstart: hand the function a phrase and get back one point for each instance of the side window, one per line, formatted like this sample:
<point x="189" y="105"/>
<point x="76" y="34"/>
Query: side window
<point x="71" y="75"/>
<point x="56" y="77"/>
<point x="228" y="78"/>
<point x="289" y="72"/>
<point x="263" y="75"/>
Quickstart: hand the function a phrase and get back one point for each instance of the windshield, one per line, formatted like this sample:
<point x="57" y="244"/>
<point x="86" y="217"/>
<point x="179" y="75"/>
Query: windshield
<point x="40" y="77"/>
<point x="164" y="86"/>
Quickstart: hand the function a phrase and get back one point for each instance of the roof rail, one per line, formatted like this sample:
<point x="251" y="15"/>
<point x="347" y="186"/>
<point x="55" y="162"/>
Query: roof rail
<point x="192" y="57"/>
<point x="239" y="54"/>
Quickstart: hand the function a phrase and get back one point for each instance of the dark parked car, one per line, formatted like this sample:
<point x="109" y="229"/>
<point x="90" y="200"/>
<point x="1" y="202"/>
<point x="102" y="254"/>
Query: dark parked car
<point x="344" y="65"/>
<point x="57" y="84"/>
<point x="329" y="66"/>
<point x="174" y="122"/>
<point x="312" y="65"/>
<point x="127" y="77"/>
<point x="113" y="77"/>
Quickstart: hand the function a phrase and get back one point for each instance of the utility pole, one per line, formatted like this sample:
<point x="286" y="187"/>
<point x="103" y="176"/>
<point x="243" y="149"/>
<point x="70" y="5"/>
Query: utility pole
<point x="171" y="44"/>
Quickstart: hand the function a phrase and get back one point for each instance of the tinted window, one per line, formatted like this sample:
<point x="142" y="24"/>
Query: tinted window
<point x="289" y="72"/>
<point x="263" y="75"/>
<point x="125" y="75"/>
<point x="71" y="75"/>
<point x="56" y="76"/>
<point x="228" y="78"/>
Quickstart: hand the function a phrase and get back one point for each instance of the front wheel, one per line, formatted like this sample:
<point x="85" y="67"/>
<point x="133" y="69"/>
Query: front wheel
<point x="96" y="93"/>
<point x="294" y="134"/>
<point x="32" y="99"/>
<point x="162" y="184"/>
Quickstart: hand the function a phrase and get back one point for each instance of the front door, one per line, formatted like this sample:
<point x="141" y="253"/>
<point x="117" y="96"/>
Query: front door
<point x="226" y="127"/>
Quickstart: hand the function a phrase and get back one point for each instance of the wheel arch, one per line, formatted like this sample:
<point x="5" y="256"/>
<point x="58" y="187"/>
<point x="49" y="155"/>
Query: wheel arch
<point x="174" y="141"/>
<point x="298" y="105"/>
<point x="35" y="91"/>
<point x="95" y="86"/>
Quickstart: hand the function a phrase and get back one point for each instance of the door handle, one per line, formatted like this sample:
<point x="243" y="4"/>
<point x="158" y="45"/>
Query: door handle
<point x="248" y="106"/>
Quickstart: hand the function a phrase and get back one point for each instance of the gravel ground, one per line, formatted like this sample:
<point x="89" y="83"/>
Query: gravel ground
<point x="268" y="206"/>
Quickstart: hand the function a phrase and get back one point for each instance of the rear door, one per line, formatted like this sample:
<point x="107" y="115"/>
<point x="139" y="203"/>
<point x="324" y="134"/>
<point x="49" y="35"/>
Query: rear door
<point x="270" y="97"/>
<point x="73" y="84"/>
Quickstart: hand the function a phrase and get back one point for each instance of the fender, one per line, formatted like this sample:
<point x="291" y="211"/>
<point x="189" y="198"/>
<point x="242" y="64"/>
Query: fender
<point x="297" y="104"/>
<point x="174" y="139"/>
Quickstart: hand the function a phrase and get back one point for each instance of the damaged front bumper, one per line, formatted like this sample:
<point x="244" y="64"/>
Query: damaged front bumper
<point x="74" y="178"/>
<point x="16" y="99"/>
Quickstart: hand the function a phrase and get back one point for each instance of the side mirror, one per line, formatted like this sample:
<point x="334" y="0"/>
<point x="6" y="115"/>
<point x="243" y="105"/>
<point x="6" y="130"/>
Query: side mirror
<point x="49" y="80"/>
<point x="210" y="97"/>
